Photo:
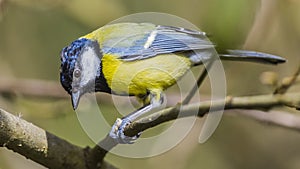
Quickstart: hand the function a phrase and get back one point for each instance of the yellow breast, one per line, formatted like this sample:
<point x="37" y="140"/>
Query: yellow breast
<point x="138" y="77"/>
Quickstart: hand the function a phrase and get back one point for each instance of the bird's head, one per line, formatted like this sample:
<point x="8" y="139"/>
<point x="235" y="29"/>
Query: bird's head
<point x="80" y="65"/>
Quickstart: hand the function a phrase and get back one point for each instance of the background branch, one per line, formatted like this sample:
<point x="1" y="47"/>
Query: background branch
<point x="277" y="118"/>
<point x="32" y="88"/>
<point x="264" y="20"/>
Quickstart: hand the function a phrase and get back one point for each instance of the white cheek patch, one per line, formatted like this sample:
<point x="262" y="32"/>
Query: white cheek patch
<point x="90" y="63"/>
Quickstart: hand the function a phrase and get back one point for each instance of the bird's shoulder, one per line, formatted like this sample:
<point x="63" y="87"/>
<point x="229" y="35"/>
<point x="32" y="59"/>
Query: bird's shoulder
<point x="121" y="33"/>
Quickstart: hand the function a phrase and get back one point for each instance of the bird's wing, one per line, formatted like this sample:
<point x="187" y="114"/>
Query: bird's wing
<point x="252" y="56"/>
<point x="136" y="44"/>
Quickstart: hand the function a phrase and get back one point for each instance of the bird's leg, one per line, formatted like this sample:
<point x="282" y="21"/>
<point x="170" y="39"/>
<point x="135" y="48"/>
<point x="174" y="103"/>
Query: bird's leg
<point x="117" y="132"/>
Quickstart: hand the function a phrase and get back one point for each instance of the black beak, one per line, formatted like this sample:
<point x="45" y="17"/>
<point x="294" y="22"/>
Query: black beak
<point x="75" y="99"/>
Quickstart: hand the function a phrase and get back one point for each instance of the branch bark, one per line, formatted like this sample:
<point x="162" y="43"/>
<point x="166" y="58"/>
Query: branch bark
<point x="41" y="146"/>
<point x="53" y="152"/>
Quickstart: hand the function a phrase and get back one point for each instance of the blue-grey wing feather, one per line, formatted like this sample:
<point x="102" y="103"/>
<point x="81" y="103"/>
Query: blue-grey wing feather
<point x="166" y="40"/>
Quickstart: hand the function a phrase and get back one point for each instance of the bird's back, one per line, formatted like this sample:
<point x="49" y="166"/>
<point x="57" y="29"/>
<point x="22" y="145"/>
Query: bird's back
<point x="137" y="41"/>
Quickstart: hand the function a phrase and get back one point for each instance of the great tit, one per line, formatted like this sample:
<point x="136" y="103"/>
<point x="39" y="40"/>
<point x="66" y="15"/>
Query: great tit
<point x="141" y="60"/>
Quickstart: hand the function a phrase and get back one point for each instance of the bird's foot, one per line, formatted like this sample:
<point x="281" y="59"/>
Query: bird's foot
<point x="117" y="132"/>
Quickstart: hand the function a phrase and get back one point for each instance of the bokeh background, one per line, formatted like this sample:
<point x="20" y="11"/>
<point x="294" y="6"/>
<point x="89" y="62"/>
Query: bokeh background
<point x="33" y="32"/>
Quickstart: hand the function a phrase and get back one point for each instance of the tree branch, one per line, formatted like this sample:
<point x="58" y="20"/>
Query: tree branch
<point x="262" y="102"/>
<point x="47" y="149"/>
<point x="41" y="146"/>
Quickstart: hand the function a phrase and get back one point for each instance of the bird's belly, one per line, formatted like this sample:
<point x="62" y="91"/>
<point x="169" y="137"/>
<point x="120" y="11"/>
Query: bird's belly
<point x="138" y="77"/>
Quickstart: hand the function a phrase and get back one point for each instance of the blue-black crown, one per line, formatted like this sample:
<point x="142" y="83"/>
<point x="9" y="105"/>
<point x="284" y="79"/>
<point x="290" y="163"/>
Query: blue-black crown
<point x="68" y="59"/>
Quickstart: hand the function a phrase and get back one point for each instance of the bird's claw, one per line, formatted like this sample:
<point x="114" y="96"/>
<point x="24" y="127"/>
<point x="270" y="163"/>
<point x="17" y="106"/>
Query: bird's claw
<point x="117" y="132"/>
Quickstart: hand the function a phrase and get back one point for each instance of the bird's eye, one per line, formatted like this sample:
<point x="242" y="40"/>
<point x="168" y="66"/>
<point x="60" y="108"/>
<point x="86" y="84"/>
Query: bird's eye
<point x="77" y="73"/>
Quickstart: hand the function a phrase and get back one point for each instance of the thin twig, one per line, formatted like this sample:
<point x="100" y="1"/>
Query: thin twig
<point x="285" y="85"/>
<point x="196" y="86"/>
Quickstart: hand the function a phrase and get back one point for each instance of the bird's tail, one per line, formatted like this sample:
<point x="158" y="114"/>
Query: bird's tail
<point x="252" y="56"/>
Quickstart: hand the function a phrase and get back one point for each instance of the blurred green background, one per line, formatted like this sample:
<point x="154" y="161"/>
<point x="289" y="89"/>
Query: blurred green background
<point x="33" y="32"/>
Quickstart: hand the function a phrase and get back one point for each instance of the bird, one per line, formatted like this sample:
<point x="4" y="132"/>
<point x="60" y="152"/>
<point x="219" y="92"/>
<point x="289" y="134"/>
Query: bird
<point x="141" y="60"/>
